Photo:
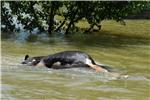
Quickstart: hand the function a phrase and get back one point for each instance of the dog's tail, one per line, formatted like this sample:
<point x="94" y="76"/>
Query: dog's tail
<point x="112" y="71"/>
<point x="106" y="67"/>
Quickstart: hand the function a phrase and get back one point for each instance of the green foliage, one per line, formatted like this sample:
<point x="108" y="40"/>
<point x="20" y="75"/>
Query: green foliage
<point x="6" y="18"/>
<point x="41" y="14"/>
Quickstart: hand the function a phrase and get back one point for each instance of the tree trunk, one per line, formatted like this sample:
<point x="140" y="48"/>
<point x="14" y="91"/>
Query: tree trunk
<point x="51" y="18"/>
<point x="71" y="21"/>
<point x="67" y="30"/>
<point x="35" y="20"/>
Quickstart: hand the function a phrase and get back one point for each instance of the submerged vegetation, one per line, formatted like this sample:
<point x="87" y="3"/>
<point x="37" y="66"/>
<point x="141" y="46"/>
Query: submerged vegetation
<point x="63" y="16"/>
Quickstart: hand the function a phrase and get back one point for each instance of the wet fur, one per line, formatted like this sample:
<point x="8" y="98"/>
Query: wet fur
<point x="66" y="59"/>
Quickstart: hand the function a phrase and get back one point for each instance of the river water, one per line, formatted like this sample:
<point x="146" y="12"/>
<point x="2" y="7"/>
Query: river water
<point x="127" y="55"/>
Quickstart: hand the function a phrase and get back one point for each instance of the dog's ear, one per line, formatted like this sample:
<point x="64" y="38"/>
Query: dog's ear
<point x="26" y="57"/>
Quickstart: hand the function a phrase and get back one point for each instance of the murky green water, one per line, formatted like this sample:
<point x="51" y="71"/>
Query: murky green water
<point x="128" y="55"/>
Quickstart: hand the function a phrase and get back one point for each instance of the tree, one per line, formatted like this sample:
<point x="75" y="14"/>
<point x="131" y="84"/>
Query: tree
<point x="30" y="15"/>
<point x="41" y="14"/>
<point x="6" y="18"/>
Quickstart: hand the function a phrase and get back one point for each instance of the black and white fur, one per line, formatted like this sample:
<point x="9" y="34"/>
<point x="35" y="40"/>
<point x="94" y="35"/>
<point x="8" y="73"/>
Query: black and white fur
<point x="65" y="59"/>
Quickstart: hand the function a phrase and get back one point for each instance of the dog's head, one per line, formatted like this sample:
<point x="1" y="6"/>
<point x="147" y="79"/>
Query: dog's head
<point x="31" y="61"/>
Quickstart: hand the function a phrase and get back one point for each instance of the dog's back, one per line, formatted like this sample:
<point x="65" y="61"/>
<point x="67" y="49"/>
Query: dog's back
<point x="65" y="57"/>
<point x="68" y="57"/>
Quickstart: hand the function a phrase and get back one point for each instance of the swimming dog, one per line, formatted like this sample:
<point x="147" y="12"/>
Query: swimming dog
<point x="65" y="59"/>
